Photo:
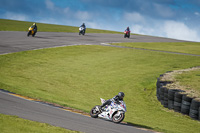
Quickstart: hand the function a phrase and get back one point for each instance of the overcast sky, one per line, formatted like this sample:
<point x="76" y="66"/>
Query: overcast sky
<point x="179" y="19"/>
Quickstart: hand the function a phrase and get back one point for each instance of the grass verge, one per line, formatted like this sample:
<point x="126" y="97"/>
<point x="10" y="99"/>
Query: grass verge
<point x="77" y="76"/>
<point x="190" y="80"/>
<point x="14" y="25"/>
<point x="180" y="47"/>
<point x="10" y="124"/>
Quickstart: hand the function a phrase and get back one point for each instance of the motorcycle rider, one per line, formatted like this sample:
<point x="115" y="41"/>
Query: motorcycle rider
<point x="127" y="29"/>
<point x="35" y="27"/>
<point x="84" y="27"/>
<point x="115" y="99"/>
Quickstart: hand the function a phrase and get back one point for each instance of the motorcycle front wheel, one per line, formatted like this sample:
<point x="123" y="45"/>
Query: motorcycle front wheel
<point x="118" y="117"/>
<point x="94" y="112"/>
<point x="29" y="33"/>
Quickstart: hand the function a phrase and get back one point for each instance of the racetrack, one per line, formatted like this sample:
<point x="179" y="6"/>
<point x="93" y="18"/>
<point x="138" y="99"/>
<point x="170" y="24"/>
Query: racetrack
<point x="15" y="41"/>
<point x="28" y="109"/>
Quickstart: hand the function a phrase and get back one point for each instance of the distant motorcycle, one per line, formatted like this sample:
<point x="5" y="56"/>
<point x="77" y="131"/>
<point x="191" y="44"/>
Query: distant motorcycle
<point x="127" y="34"/>
<point x="31" y="31"/>
<point x="81" y="30"/>
<point x="114" y="112"/>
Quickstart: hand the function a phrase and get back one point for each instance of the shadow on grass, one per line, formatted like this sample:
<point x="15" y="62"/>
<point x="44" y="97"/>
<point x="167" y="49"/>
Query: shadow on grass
<point x="137" y="125"/>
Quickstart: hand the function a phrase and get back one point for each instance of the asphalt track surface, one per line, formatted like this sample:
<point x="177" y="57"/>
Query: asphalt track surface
<point x="11" y="41"/>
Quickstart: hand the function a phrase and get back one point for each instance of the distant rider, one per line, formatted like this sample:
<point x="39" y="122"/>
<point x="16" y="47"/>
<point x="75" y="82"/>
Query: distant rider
<point x="115" y="99"/>
<point x="35" y="27"/>
<point x="83" y="25"/>
<point x="127" y="29"/>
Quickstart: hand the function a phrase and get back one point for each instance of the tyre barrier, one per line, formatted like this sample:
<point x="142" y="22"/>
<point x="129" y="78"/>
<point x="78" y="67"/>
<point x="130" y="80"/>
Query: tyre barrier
<point x="166" y="97"/>
<point x="177" y="100"/>
<point x="199" y="113"/>
<point x="185" y="106"/>
<point x="161" y="95"/>
<point x="158" y="89"/>
<point x="171" y="94"/>
<point x="194" y="109"/>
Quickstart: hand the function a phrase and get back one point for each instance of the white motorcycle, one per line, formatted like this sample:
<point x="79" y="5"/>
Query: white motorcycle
<point x="114" y="112"/>
<point x="81" y="31"/>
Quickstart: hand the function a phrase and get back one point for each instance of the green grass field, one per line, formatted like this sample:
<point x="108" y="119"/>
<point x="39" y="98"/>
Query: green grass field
<point x="11" y="25"/>
<point x="77" y="76"/>
<point x="14" y="124"/>
<point x="180" y="47"/>
<point x="191" y="80"/>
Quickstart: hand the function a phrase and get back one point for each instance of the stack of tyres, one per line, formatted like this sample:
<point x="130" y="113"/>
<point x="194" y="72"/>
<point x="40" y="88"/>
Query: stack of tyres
<point x="166" y="97"/>
<point x="177" y="101"/>
<point x="161" y="95"/>
<point x="199" y="113"/>
<point x="158" y="89"/>
<point x="171" y="93"/>
<point x="194" y="109"/>
<point x="185" y="106"/>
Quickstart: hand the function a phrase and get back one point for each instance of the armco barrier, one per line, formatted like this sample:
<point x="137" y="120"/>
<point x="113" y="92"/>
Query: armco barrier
<point x="177" y="100"/>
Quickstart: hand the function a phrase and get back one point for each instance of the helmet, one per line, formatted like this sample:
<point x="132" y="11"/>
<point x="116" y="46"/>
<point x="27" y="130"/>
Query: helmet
<point x="34" y="24"/>
<point x="121" y="95"/>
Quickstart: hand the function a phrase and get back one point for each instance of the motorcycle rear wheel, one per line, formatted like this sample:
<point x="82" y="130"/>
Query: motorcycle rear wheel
<point x="118" y="118"/>
<point x="94" y="112"/>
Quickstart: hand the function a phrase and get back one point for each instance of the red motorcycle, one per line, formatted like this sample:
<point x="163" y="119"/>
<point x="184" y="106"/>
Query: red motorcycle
<point x="127" y="33"/>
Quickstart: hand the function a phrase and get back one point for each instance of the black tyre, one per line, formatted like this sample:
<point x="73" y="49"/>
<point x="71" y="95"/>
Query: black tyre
<point x="178" y="95"/>
<point x="33" y="35"/>
<point x="177" y="106"/>
<point x="94" y="112"/>
<point x="195" y="104"/>
<point x="117" y="118"/>
<point x="199" y="113"/>
<point x="161" y="95"/>
<point x="177" y="100"/>
<point x="29" y="33"/>
<point x="194" y="108"/>
<point x="166" y="97"/>
<point x="193" y="114"/>
<point x="185" y="107"/>
<point x="158" y="83"/>
<point x="157" y="93"/>
<point x="171" y="94"/>
<point x="170" y="104"/>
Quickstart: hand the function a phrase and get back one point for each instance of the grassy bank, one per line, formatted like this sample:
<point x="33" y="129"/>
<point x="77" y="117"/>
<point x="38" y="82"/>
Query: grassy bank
<point x="190" y="80"/>
<point x="13" y="25"/>
<point x="180" y="47"/>
<point x="78" y="76"/>
<point x="14" y="124"/>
